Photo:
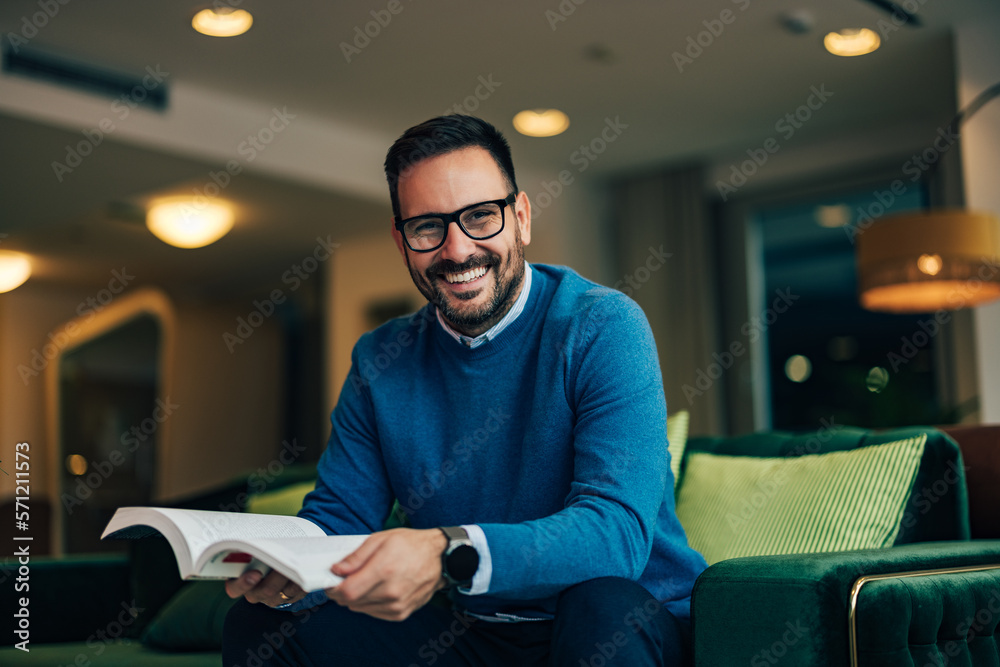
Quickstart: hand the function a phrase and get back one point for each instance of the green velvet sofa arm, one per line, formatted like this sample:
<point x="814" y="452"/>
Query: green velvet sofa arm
<point x="793" y="610"/>
<point x="69" y="599"/>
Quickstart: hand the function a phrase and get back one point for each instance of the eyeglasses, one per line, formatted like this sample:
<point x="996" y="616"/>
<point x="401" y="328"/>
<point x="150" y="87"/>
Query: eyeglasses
<point x="481" y="221"/>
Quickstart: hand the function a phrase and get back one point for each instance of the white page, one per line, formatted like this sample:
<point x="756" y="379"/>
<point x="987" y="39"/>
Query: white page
<point x="307" y="560"/>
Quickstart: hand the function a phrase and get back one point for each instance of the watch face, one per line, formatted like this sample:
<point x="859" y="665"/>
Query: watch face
<point x="463" y="562"/>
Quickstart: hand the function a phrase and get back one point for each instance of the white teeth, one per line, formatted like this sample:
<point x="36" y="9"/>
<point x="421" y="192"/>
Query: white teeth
<point x="465" y="277"/>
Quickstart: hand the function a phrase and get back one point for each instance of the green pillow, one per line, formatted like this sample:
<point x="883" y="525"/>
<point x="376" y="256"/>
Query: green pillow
<point x="677" y="434"/>
<point x="192" y="619"/>
<point x="732" y="506"/>
<point x="286" y="500"/>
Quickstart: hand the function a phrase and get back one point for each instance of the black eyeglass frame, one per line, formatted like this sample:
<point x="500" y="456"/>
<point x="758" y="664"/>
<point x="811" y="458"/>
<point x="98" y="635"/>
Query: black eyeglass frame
<point x="456" y="217"/>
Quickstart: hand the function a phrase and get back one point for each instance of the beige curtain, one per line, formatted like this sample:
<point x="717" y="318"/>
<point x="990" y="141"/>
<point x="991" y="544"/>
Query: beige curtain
<point x="667" y="213"/>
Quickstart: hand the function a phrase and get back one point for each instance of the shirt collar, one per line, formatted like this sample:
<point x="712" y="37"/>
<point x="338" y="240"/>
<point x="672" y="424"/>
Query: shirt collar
<point x="495" y="330"/>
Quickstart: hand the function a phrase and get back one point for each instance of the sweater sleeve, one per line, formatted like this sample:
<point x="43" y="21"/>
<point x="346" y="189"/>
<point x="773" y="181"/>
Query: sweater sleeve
<point x="352" y="494"/>
<point x="620" y="468"/>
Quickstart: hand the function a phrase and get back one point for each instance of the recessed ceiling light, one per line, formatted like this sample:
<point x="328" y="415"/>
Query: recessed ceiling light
<point x="15" y="268"/>
<point x="851" y="42"/>
<point x="541" y="122"/>
<point x="222" y="22"/>
<point x="186" y="224"/>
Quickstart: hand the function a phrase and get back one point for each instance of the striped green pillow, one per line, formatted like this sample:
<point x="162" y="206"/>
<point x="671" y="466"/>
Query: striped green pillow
<point x="677" y="435"/>
<point x="732" y="506"/>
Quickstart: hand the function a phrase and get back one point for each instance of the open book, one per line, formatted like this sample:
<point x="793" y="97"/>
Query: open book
<point x="224" y="545"/>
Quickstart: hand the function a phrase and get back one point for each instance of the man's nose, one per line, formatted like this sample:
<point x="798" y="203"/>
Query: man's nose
<point x="457" y="245"/>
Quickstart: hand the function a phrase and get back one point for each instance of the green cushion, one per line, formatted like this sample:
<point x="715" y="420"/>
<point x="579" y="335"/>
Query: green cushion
<point x="938" y="507"/>
<point x="677" y="433"/>
<point x="192" y="620"/>
<point x="734" y="506"/>
<point x="286" y="500"/>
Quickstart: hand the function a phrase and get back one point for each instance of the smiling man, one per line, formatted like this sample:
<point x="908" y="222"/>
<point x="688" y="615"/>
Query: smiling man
<point x="521" y="426"/>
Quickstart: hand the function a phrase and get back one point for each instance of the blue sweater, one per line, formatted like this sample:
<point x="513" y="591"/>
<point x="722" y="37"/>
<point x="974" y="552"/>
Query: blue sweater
<point x="551" y="437"/>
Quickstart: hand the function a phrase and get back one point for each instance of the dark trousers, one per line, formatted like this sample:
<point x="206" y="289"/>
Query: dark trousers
<point x="599" y="623"/>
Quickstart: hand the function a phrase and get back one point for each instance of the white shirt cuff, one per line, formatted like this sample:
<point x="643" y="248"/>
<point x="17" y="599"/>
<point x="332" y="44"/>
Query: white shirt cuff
<point x="481" y="580"/>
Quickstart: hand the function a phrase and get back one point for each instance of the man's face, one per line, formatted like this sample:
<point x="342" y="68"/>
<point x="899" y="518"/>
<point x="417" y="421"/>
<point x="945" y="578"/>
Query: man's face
<point x="474" y="302"/>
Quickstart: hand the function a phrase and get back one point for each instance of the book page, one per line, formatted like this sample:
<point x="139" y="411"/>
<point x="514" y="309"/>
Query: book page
<point x="305" y="560"/>
<point x="191" y="532"/>
<point x="217" y="526"/>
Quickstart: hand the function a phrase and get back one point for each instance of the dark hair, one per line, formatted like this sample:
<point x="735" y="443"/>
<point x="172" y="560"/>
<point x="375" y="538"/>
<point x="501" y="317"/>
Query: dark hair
<point x="441" y="135"/>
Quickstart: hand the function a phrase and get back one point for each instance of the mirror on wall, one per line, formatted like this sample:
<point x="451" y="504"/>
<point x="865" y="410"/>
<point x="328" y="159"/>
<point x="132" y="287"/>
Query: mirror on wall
<point x="108" y="429"/>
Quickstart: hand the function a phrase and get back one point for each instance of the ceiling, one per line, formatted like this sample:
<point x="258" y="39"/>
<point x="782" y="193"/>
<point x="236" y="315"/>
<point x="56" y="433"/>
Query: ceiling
<point x="597" y="62"/>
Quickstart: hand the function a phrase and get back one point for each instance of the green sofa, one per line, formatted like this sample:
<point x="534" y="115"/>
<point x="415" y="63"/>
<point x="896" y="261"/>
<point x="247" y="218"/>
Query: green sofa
<point x="756" y="610"/>
<point x="931" y="599"/>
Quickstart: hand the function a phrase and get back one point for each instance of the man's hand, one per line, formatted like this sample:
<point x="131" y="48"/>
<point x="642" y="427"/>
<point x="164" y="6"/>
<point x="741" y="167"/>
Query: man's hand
<point x="273" y="590"/>
<point x="391" y="575"/>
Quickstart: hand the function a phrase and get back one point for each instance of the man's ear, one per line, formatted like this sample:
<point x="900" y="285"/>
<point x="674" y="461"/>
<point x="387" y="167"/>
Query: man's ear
<point x="398" y="238"/>
<point x="523" y="208"/>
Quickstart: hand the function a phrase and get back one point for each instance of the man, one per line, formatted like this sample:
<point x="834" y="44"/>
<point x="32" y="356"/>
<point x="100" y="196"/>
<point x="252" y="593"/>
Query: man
<point x="519" y="420"/>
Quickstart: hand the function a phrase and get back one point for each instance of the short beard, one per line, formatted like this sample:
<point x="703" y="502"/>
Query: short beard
<point x="504" y="290"/>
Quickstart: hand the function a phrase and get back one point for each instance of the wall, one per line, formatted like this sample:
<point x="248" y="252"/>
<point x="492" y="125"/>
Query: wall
<point x="227" y="415"/>
<point x="978" y="68"/>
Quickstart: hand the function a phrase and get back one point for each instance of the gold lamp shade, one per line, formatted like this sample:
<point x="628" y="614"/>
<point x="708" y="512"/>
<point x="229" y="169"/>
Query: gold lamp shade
<point x="920" y="262"/>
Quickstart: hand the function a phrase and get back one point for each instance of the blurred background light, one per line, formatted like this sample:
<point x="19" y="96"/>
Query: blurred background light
<point x="851" y="42"/>
<point x="184" y="224"/>
<point x="15" y="268"/>
<point x="222" y="22"/>
<point x="541" y="122"/>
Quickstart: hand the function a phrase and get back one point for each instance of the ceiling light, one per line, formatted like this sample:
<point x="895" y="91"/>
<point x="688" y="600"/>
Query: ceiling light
<point x="541" y="122"/>
<point x="851" y="42"/>
<point x="924" y="261"/>
<point x="222" y="22"/>
<point x="182" y="223"/>
<point x="15" y="268"/>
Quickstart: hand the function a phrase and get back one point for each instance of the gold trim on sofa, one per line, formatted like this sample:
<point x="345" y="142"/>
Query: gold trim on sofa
<point x="852" y="616"/>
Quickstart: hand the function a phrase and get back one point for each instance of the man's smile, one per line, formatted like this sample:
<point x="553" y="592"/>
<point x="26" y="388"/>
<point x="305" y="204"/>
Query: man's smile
<point x="472" y="277"/>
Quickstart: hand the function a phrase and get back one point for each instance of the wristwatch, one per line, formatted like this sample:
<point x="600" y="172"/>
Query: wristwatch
<point x="460" y="559"/>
